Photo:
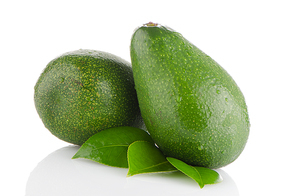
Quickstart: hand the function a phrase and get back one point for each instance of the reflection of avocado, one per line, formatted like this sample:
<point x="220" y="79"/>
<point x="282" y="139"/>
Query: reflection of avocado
<point x="83" y="92"/>
<point x="191" y="106"/>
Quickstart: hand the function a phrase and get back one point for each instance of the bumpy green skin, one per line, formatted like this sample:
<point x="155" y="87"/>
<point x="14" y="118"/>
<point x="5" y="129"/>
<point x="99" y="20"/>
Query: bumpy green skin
<point x="83" y="92"/>
<point x="191" y="106"/>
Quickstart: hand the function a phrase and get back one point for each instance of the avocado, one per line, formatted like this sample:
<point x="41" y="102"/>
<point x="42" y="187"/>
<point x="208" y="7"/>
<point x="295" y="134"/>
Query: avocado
<point x="192" y="108"/>
<point x="85" y="91"/>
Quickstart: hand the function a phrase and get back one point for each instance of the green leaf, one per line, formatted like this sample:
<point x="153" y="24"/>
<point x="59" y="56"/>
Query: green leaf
<point x="145" y="157"/>
<point x="110" y="146"/>
<point x="209" y="176"/>
<point x="187" y="169"/>
<point x="201" y="175"/>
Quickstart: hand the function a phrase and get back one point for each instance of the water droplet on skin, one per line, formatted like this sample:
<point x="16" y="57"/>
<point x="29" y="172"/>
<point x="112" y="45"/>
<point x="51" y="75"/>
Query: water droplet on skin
<point x="179" y="98"/>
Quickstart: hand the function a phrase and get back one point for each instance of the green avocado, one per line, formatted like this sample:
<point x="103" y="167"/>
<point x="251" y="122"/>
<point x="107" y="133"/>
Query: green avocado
<point x="85" y="91"/>
<point x="192" y="108"/>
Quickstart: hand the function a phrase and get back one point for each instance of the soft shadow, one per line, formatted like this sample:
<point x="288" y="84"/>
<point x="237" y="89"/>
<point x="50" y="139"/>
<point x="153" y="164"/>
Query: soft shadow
<point x="59" y="175"/>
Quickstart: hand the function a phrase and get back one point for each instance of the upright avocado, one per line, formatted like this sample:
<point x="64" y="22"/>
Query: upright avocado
<point x="85" y="91"/>
<point x="191" y="106"/>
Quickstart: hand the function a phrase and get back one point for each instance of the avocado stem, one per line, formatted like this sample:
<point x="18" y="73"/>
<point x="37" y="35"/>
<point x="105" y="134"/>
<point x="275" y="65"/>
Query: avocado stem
<point x="151" y="24"/>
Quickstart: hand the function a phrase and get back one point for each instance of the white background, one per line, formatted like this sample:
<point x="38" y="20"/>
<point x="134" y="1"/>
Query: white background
<point x="253" y="40"/>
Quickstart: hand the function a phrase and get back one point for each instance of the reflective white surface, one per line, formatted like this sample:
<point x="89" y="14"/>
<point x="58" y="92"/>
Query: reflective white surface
<point x="60" y="175"/>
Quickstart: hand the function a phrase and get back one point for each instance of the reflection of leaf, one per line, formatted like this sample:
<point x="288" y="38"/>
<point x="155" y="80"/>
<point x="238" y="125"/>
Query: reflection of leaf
<point x="110" y="146"/>
<point x="145" y="157"/>
<point x="200" y="174"/>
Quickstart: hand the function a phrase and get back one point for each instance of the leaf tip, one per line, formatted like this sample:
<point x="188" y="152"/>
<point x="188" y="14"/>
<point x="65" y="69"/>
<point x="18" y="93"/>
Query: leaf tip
<point x="201" y="185"/>
<point x="75" y="156"/>
<point x="129" y="174"/>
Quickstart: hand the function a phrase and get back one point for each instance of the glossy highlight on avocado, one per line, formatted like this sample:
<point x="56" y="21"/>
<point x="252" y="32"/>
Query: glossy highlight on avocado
<point x="192" y="108"/>
<point x="85" y="91"/>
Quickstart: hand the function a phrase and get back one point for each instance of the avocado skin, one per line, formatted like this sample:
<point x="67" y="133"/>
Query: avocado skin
<point x="192" y="108"/>
<point x="85" y="91"/>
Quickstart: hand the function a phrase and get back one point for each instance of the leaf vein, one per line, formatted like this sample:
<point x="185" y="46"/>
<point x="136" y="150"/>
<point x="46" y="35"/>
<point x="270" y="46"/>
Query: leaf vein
<point x="110" y="146"/>
<point x="152" y="166"/>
